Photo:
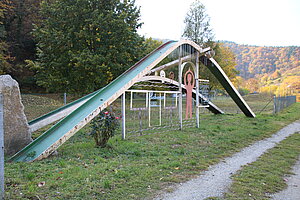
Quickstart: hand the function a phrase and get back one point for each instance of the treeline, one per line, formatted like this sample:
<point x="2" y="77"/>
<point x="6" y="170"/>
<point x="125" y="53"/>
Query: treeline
<point x="69" y="46"/>
<point x="77" y="46"/>
<point x="254" y="61"/>
<point x="274" y="70"/>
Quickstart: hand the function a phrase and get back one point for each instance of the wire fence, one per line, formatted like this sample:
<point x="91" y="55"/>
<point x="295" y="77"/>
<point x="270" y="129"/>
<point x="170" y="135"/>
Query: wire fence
<point x="164" y="112"/>
<point x="283" y="102"/>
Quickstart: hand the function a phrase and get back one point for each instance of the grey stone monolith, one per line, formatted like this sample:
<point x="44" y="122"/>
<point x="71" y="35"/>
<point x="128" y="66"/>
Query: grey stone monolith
<point x="16" y="129"/>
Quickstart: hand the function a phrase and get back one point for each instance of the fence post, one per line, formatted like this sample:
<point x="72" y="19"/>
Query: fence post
<point x="65" y="98"/>
<point x="274" y="104"/>
<point x="2" y="149"/>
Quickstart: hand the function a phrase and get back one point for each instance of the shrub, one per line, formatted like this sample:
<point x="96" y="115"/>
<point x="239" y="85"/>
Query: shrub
<point x="104" y="127"/>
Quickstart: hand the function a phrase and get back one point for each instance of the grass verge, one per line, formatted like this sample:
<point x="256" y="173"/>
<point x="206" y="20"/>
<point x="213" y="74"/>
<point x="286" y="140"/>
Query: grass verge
<point x="139" y="167"/>
<point x="265" y="176"/>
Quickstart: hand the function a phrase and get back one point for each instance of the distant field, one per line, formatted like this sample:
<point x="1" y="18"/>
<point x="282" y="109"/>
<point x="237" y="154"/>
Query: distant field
<point x="257" y="103"/>
<point x="35" y="106"/>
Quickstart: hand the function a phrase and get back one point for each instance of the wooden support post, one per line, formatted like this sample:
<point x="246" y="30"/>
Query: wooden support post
<point x="124" y="116"/>
<point x="1" y="149"/>
<point x="197" y="91"/>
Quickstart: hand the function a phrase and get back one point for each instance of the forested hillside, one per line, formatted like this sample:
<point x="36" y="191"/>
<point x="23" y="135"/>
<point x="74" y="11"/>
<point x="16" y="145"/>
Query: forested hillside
<point x="270" y="67"/>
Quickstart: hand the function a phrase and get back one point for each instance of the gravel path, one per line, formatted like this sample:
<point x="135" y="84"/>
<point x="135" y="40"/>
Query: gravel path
<point x="292" y="192"/>
<point x="216" y="181"/>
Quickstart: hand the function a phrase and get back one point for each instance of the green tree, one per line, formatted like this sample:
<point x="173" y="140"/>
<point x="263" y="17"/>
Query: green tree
<point x="197" y="24"/>
<point x="197" y="29"/>
<point x="151" y="44"/>
<point x="84" y="44"/>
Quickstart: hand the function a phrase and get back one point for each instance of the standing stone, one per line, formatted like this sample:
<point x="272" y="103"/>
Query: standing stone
<point x="16" y="129"/>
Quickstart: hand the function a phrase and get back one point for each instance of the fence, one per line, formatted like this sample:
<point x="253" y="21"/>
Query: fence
<point x="283" y="102"/>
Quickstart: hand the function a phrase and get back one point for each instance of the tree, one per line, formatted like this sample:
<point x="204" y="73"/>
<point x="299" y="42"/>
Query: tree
<point x="84" y="44"/>
<point x="197" y="24"/>
<point x="197" y="29"/>
<point x="151" y="44"/>
<point x="227" y="60"/>
<point x="4" y="55"/>
<point x="17" y="18"/>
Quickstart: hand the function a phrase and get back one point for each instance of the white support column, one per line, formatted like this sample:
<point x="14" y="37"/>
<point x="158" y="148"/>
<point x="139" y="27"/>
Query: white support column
<point x="147" y="101"/>
<point x="160" y="109"/>
<point x="180" y="88"/>
<point x="1" y="149"/>
<point x="124" y="115"/>
<point x="149" y="109"/>
<point x="197" y="91"/>
<point x="165" y="99"/>
<point x="131" y="99"/>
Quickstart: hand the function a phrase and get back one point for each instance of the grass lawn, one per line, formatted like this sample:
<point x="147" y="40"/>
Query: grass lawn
<point x="138" y="167"/>
<point x="265" y="176"/>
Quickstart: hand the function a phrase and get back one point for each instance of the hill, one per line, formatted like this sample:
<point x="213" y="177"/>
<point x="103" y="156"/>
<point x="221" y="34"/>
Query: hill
<point x="267" y="66"/>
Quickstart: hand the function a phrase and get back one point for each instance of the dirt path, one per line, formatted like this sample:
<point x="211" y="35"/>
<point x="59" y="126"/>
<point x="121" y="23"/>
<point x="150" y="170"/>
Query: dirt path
<point x="292" y="192"/>
<point x="216" y="181"/>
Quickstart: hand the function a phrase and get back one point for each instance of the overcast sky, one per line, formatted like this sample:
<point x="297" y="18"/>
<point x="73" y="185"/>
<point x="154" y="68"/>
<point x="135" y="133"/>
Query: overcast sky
<point x="254" y="22"/>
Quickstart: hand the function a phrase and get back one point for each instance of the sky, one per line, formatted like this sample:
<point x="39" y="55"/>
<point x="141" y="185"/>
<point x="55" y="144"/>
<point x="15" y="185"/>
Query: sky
<point x="253" y="22"/>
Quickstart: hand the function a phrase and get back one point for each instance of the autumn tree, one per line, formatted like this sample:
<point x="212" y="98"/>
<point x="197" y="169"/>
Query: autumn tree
<point x="227" y="60"/>
<point x="85" y="44"/>
<point x="4" y="55"/>
<point x="197" y="24"/>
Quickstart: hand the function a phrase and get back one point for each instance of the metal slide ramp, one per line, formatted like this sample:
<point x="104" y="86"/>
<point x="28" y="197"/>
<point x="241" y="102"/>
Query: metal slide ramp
<point x="59" y="113"/>
<point x="217" y="71"/>
<point x="49" y="141"/>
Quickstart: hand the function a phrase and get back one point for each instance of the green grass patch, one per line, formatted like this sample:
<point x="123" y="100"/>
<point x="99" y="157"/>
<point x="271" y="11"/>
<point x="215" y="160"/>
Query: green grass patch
<point x="265" y="176"/>
<point x="138" y="167"/>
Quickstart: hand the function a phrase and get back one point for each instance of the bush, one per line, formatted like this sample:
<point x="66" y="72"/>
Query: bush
<point x="104" y="127"/>
<point x="243" y="91"/>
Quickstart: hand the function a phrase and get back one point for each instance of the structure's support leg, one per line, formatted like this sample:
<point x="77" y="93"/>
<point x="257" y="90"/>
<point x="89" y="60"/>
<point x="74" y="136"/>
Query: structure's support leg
<point x="160" y="110"/>
<point x="149" y="109"/>
<point x="131" y="99"/>
<point x="1" y="149"/>
<point x="147" y="101"/>
<point x="123" y="115"/>
<point x="218" y="72"/>
<point x="197" y="91"/>
<point x="180" y="89"/>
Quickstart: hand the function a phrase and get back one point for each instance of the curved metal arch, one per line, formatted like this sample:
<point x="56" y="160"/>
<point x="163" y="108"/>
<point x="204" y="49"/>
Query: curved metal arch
<point x="212" y="107"/>
<point x="188" y="62"/>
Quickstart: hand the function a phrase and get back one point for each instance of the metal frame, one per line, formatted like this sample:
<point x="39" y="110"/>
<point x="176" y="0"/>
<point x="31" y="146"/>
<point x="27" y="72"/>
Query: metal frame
<point x="48" y="142"/>
<point x="148" y="105"/>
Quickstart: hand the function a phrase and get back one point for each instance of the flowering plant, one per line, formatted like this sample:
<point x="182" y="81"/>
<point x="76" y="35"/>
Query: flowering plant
<point x="104" y="127"/>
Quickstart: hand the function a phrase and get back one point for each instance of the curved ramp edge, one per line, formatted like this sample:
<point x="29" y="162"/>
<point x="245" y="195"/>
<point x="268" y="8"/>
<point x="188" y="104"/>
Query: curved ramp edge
<point x="49" y="141"/>
<point x="218" y="72"/>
